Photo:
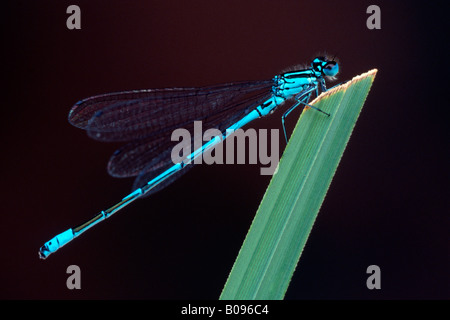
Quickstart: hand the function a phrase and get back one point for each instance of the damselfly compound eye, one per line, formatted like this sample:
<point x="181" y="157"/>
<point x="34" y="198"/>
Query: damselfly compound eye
<point x="331" y="69"/>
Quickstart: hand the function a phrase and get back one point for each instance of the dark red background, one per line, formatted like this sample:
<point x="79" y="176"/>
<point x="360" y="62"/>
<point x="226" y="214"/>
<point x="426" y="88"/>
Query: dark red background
<point x="387" y="205"/>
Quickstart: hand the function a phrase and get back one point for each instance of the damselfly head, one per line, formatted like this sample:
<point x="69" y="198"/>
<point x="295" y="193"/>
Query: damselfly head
<point x="328" y="67"/>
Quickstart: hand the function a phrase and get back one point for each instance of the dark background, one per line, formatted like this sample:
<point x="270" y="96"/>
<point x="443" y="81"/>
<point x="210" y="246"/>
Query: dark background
<point x="387" y="204"/>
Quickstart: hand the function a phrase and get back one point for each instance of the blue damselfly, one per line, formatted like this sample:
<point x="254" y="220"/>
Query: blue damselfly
<point x="146" y="119"/>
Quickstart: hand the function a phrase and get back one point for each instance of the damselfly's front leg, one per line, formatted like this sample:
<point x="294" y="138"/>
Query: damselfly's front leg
<point x="302" y="98"/>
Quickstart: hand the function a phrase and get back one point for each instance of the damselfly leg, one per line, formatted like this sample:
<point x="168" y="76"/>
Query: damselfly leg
<point x="301" y="99"/>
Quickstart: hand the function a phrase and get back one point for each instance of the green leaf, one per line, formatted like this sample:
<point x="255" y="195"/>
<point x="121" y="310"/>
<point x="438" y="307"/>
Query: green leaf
<point x="275" y="241"/>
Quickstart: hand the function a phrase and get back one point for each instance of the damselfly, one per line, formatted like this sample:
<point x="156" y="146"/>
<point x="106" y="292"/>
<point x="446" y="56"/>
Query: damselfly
<point x="146" y="118"/>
